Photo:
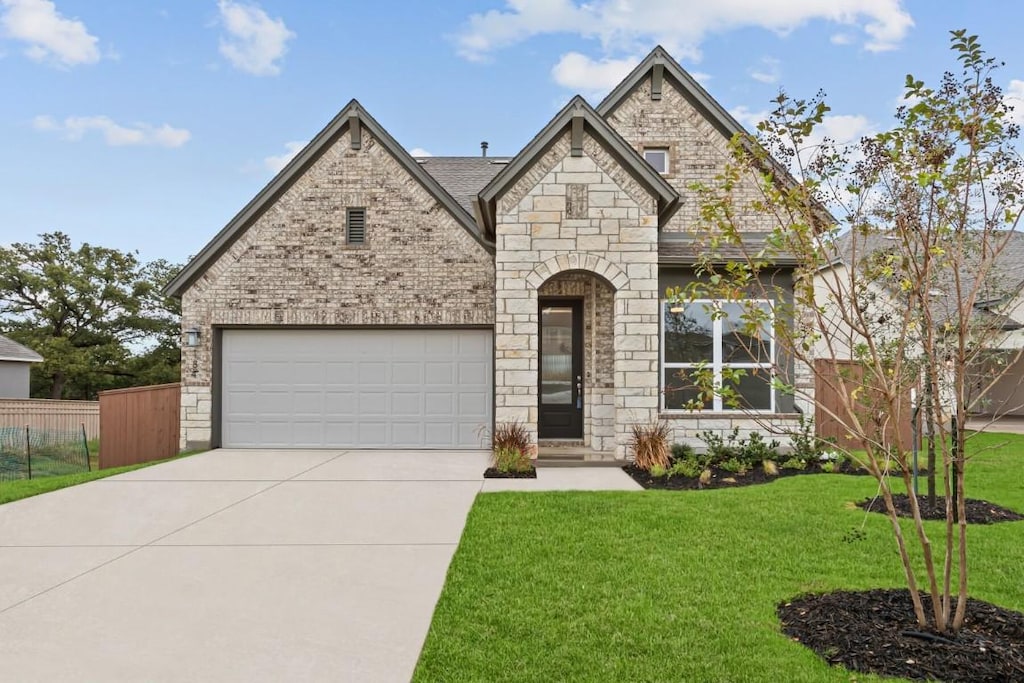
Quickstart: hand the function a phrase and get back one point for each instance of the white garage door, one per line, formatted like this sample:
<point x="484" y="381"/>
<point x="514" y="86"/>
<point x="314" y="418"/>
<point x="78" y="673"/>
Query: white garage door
<point x="355" y="388"/>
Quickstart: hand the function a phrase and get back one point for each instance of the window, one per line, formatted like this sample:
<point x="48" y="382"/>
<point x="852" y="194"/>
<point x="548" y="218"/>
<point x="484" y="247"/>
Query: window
<point x="355" y="226"/>
<point x="712" y="336"/>
<point x="657" y="157"/>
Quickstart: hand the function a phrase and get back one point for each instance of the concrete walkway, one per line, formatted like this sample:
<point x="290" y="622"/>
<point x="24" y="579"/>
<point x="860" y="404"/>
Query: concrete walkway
<point x="241" y="566"/>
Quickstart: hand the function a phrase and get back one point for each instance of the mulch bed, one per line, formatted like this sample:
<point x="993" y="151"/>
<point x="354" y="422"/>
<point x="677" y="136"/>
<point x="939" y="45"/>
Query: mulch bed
<point x="495" y="473"/>
<point x="722" y="478"/>
<point x="875" y="632"/>
<point x="978" y="511"/>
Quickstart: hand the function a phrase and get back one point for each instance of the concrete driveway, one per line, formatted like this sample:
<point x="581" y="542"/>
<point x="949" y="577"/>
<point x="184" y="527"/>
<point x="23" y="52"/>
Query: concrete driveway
<point x="234" y="566"/>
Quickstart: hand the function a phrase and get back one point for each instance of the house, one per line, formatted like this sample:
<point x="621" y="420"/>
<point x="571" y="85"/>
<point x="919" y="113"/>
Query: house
<point x="998" y="310"/>
<point x="366" y="298"/>
<point x="15" y="363"/>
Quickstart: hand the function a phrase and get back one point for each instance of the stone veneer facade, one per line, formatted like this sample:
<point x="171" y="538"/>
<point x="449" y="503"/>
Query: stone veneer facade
<point x="292" y="267"/>
<point x="616" y="240"/>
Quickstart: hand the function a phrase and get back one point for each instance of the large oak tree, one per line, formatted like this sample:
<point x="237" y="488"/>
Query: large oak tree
<point x="95" y="314"/>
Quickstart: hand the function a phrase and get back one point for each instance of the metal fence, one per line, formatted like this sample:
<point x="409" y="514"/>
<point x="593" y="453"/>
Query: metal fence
<point x="30" y="453"/>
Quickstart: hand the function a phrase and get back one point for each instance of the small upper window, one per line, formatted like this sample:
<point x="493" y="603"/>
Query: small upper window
<point x="355" y="226"/>
<point x="657" y="157"/>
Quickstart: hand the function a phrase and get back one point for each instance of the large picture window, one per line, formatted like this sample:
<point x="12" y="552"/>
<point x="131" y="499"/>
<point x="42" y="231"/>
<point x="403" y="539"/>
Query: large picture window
<point x="717" y="337"/>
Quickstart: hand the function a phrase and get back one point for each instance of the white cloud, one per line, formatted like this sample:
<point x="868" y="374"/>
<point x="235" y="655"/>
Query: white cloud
<point x="579" y="72"/>
<point x="749" y="119"/>
<point x="841" y="39"/>
<point x="419" y="152"/>
<point x="114" y="134"/>
<point x="1013" y="97"/>
<point x="50" y="36"/>
<point x="767" y="72"/>
<point x="254" y="42"/>
<point x="276" y="162"/>
<point x="631" y="27"/>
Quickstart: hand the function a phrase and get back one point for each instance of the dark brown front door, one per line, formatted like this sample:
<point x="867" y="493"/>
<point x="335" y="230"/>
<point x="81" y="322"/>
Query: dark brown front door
<point x="561" y="369"/>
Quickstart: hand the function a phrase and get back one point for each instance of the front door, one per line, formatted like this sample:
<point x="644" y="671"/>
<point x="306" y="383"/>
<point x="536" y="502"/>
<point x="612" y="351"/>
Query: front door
<point x="561" y="369"/>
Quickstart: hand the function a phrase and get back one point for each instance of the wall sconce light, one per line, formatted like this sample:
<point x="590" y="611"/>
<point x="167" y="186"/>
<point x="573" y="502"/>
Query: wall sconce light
<point x="192" y="337"/>
<point x="676" y="308"/>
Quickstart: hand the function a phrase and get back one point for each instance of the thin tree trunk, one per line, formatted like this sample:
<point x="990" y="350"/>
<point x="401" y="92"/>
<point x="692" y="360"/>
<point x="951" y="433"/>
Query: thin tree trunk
<point x="908" y="569"/>
<point x="941" y="619"/>
<point x="961" y="502"/>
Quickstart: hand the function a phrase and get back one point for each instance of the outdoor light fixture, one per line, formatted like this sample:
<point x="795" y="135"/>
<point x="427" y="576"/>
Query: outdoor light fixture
<point x="192" y="337"/>
<point x="676" y="308"/>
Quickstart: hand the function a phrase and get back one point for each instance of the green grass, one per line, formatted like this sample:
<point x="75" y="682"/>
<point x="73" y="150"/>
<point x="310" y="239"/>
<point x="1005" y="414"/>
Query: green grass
<point x="25" y="488"/>
<point x="683" y="586"/>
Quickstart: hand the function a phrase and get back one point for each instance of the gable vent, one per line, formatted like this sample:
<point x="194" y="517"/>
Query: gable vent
<point x="355" y="227"/>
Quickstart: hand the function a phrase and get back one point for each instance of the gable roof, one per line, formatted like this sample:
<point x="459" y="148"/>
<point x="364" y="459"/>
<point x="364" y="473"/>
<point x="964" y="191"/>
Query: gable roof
<point x="352" y="114"/>
<point x="11" y="350"/>
<point x="660" y="60"/>
<point x="463" y="177"/>
<point x="578" y="110"/>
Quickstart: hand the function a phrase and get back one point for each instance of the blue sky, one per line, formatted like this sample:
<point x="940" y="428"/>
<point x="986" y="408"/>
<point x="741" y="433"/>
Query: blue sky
<point x="146" y="126"/>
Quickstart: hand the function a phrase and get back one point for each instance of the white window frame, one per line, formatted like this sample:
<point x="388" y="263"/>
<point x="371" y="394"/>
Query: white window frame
<point x="716" y="363"/>
<point x="664" y="152"/>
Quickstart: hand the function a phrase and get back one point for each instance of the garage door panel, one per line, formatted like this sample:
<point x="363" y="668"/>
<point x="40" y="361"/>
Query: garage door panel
<point x="435" y="372"/>
<point x="438" y="403"/>
<point x="441" y="345"/>
<point x="473" y="373"/>
<point x="373" y="372"/>
<point x="406" y="372"/>
<point x="406" y="404"/>
<point x="356" y="388"/>
<point x="340" y="404"/>
<point x="339" y="372"/>
<point x="307" y="372"/>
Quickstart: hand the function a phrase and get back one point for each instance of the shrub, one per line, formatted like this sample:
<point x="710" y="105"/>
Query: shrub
<point x="511" y="460"/>
<point x="650" y="445"/>
<point x="794" y="463"/>
<point x="734" y="465"/>
<point x="756" y="450"/>
<point x="807" y="446"/>
<point x="686" y="467"/>
<point x="721" y="448"/>
<point x="511" y="436"/>
<point x="658" y="471"/>
<point x="681" y="451"/>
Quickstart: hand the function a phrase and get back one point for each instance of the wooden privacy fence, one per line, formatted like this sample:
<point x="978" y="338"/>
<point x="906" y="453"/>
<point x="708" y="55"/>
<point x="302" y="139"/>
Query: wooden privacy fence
<point x="139" y="424"/>
<point x="49" y="415"/>
<point x="828" y="399"/>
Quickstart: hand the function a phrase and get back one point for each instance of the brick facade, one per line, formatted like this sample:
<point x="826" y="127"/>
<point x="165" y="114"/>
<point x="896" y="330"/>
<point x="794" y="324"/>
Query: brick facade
<point x="292" y="266"/>
<point x="697" y="150"/>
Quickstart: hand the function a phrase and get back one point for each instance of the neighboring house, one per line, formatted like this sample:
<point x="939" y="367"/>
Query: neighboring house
<point x="999" y="309"/>
<point x="15" y="364"/>
<point x="366" y="298"/>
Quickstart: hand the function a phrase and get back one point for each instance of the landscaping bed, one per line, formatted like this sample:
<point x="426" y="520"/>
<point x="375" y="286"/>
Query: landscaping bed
<point x="978" y="511"/>
<point x="495" y="473"/>
<point x="720" y="478"/>
<point x="875" y="632"/>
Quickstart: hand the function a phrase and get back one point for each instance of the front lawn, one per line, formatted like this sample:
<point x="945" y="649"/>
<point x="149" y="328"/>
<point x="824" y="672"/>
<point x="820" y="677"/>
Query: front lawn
<point x="683" y="586"/>
<point x="24" y="488"/>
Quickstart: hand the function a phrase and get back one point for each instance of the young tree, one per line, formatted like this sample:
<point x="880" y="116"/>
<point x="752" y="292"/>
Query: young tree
<point x="93" y="314"/>
<point x="898" y="243"/>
